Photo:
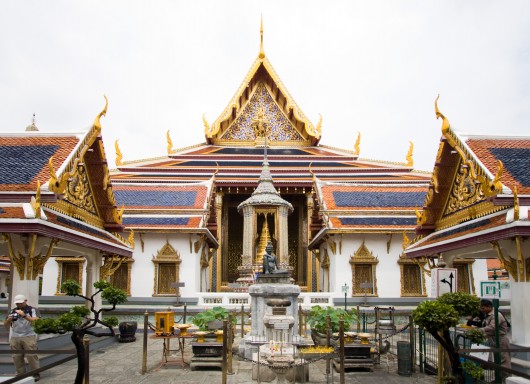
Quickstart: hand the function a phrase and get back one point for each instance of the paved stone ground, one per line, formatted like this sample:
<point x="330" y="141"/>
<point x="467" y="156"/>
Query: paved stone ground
<point x="122" y="363"/>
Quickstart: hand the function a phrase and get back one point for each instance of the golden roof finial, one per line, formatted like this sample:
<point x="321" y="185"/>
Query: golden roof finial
<point x="357" y="145"/>
<point x="97" y="123"/>
<point x="35" y="202"/>
<point x="206" y="125"/>
<point x="410" y="161"/>
<point x="406" y="240"/>
<point x="445" y="122"/>
<point x="169" y="144"/>
<point x="318" y="128"/>
<point x="119" y="155"/>
<point x="261" y="51"/>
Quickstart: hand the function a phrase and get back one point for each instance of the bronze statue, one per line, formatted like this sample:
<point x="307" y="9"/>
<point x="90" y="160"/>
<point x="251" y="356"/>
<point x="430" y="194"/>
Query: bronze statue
<point x="270" y="265"/>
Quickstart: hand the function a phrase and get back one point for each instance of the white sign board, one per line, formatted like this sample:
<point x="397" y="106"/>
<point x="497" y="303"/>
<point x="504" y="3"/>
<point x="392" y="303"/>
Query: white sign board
<point x="495" y="289"/>
<point x="443" y="280"/>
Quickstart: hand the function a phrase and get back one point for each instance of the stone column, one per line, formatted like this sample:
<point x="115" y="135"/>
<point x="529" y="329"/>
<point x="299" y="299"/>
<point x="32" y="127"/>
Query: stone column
<point x="249" y="226"/>
<point x="282" y="251"/>
<point x="520" y="312"/>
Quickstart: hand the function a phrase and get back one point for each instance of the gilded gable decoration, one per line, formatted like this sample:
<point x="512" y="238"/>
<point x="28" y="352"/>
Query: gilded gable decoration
<point x="262" y="89"/>
<point x="73" y="180"/>
<point x="261" y="107"/>
<point x="169" y="143"/>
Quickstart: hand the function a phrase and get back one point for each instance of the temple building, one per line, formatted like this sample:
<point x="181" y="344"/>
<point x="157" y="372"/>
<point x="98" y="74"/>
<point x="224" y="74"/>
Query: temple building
<point x="192" y="225"/>
<point x="345" y="225"/>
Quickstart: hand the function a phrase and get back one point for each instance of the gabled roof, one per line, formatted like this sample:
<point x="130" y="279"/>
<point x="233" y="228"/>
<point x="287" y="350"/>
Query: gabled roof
<point x="58" y="184"/>
<point x="462" y="187"/>
<point x="262" y="90"/>
<point x="479" y="193"/>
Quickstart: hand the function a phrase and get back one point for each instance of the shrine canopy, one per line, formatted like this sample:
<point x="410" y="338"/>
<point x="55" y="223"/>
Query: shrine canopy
<point x="55" y="189"/>
<point x="478" y="199"/>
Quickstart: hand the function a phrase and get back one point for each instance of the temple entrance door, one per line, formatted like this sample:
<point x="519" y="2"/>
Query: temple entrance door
<point x="232" y="238"/>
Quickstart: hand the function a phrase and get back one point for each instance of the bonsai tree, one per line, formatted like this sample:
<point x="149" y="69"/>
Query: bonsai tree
<point x="201" y="320"/>
<point x="78" y="321"/>
<point x="318" y="315"/>
<point x="439" y="315"/>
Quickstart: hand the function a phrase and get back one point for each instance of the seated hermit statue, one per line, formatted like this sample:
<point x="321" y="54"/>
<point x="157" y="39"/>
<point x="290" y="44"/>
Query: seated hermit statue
<point x="269" y="260"/>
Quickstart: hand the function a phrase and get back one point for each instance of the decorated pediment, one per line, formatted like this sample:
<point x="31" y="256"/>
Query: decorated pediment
<point x="262" y="92"/>
<point x="461" y="187"/>
<point x="84" y="183"/>
<point x="262" y="116"/>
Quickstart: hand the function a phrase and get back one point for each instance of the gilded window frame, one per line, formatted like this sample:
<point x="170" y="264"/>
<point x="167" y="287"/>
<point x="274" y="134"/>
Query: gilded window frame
<point x="61" y="261"/>
<point x="167" y="255"/>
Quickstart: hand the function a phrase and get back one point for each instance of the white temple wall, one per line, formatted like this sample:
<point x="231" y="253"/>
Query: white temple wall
<point x="143" y="268"/>
<point x="49" y="277"/>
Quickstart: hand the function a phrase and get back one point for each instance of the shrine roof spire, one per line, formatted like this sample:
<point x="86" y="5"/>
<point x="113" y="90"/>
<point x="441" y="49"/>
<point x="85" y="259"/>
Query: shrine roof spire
<point x="261" y="51"/>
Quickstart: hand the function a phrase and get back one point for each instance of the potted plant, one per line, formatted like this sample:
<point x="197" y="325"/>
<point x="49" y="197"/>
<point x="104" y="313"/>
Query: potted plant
<point x="212" y="319"/>
<point x="317" y="319"/>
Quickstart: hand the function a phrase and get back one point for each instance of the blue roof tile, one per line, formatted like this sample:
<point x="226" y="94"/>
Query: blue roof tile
<point x="156" y="220"/>
<point x="21" y="163"/>
<point x="156" y="198"/>
<point x="378" y="220"/>
<point x="516" y="161"/>
<point x="379" y="199"/>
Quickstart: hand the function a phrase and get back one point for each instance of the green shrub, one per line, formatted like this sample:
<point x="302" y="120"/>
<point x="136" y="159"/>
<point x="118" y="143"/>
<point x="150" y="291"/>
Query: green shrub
<point x="318" y="315"/>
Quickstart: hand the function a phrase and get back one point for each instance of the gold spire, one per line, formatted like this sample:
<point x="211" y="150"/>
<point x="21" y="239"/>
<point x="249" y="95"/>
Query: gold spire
<point x="35" y="202"/>
<point x="263" y="241"/>
<point x="261" y="51"/>
<point x="410" y="161"/>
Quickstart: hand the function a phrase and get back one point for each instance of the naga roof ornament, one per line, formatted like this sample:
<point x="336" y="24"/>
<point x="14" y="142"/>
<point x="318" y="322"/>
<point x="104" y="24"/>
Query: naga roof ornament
<point x="262" y="91"/>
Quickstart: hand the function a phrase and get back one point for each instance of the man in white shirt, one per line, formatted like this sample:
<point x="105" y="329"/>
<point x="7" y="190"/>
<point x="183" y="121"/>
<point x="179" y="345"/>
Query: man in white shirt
<point x="23" y="337"/>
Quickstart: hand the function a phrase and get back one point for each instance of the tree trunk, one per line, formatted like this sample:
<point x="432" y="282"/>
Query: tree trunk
<point x="77" y="339"/>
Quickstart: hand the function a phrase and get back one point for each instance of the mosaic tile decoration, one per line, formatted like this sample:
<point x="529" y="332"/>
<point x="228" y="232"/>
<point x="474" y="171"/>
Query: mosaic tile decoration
<point x="21" y="163"/>
<point x="156" y="220"/>
<point x="516" y="161"/>
<point x="373" y="199"/>
<point x="272" y="163"/>
<point x="378" y="221"/>
<point x="280" y="129"/>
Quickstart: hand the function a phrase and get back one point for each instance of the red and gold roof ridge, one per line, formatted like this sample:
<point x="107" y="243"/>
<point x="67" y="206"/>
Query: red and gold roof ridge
<point x="261" y="70"/>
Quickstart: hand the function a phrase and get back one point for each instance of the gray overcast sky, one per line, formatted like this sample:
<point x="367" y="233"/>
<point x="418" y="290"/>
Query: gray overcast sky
<point x="368" y="66"/>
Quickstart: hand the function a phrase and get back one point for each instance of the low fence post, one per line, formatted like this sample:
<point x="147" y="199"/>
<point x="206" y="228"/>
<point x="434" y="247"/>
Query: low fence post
<point x="185" y="313"/>
<point x="412" y="336"/>
<point x="144" y="354"/>
<point x="328" y="337"/>
<point x="86" y="344"/>
<point x="341" y="338"/>
<point x="358" y="320"/>
<point x="242" y="320"/>
<point x="225" y="330"/>
<point x="229" y="345"/>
